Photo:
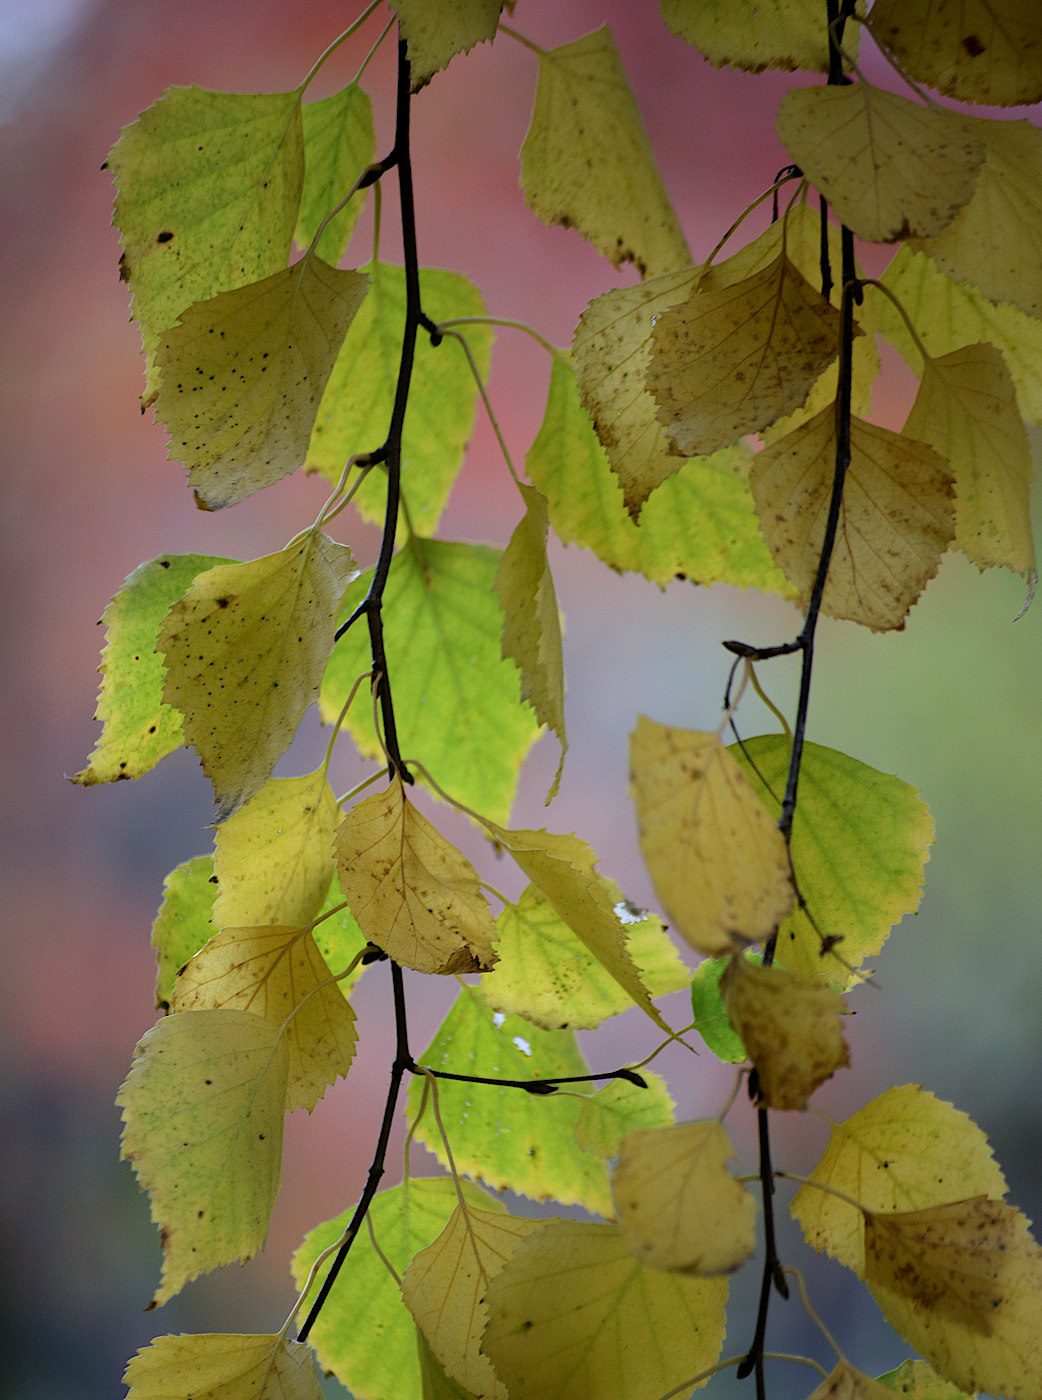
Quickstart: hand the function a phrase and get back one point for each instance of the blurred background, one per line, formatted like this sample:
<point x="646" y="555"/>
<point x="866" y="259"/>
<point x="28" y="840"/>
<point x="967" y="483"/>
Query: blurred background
<point x="951" y="705"/>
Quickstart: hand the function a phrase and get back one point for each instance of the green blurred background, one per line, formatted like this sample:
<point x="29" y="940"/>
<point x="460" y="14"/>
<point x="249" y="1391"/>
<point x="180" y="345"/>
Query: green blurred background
<point x="951" y="704"/>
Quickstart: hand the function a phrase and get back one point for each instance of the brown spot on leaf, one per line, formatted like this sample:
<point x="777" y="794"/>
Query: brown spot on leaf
<point x="164" y="237"/>
<point x="973" y="45"/>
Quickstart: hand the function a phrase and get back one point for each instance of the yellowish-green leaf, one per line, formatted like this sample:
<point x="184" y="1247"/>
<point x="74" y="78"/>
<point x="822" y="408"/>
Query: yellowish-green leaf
<point x="903" y="1151"/>
<point x="679" y="1207"/>
<point x="962" y="1283"/>
<point x="508" y="1138"/>
<point x="995" y="241"/>
<point x="436" y="33"/>
<point x="339" y="939"/>
<point x="699" y="524"/>
<point x="707" y="1005"/>
<point x="436" y="1384"/>
<point x="277" y="973"/>
<point x="586" y="161"/>
<point x="365" y="1334"/>
<point x="546" y="973"/>
<point x="339" y="143"/>
<point x="716" y="858"/>
<point x="966" y="409"/>
<point x="242" y="376"/>
<point x="865" y="367"/>
<point x="183" y="923"/>
<point x="919" y="1381"/>
<point x="245" y="649"/>
<point x="356" y="406"/>
<point x="532" y="634"/>
<point x="615" y="1111"/>
<point x="413" y="893"/>
<point x="208" y="185"/>
<point x="456" y="699"/>
<point x="274" y="858"/>
<point x="139" y="728"/>
<point x="896" y="517"/>
<point x="768" y="34"/>
<point x="444" y="1289"/>
<point x="202" y="1108"/>
<point x="574" y="1316"/>
<point x="978" y="51"/>
<point x="860" y="841"/>
<point x="223" y="1366"/>
<point x="845" y="1383"/>
<point x="790" y="1028"/>
<point x="889" y="167"/>
<point x="729" y="362"/>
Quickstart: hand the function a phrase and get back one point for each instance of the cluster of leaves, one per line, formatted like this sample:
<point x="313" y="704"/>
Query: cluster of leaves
<point x="258" y="365"/>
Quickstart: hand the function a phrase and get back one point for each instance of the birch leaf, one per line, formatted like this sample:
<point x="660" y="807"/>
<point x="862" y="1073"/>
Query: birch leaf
<point x="220" y="1366"/>
<point x="586" y="161"/>
<point x="139" y="729"/>
<point x="532" y="632"/>
<point x="995" y="241"/>
<point x="977" y="51"/>
<point x="615" y="1111"/>
<point x="845" y="1383"/>
<point x="896" y="517"/>
<point x="413" y="893"/>
<point x="966" y="410"/>
<point x="716" y="858"/>
<point x="242" y="376"/>
<point x="776" y="34"/>
<point x="277" y="973"/>
<point x="274" y="858"/>
<point x="182" y="924"/>
<point x="790" y="1028"/>
<point x="339" y="143"/>
<point x="962" y="1283"/>
<point x="444" y="1288"/>
<point x="436" y="33"/>
<point x="904" y="1151"/>
<point x="679" y="1207"/>
<point x="573" y="1314"/>
<point x="245" y="649"/>
<point x="889" y="167"/>
<point x="731" y="362"/>
<point x="436" y="1385"/>
<point x="918" y="1381"/>
<point x="202" y="1109"/>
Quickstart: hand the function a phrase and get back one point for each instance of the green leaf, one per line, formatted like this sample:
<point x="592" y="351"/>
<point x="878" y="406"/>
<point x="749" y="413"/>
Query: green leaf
<point x="767" y="34"/>
<point x="208" y="185"/>
<point x="242" y="376"/>
<point x="356" y="407"/>
<point x="548" y="975"/>
<point x="587" y="163"/>
<point x="339" y="938"/>
<point x="139" y="728"/>
<point x="700" y="524"/>
<point x="860" y="840"/>
<point x="183" y="924"/>
<point x="621" y="1108"/>
<point x="507" y="1137"/>
<point x="365" y="1334"/>
<point x="435" y="33"/>
<point x="339" y="143"/>
<point x="455" y="698"/>
<point x="707" y="1005"/>
<point x="203" y="1109"/>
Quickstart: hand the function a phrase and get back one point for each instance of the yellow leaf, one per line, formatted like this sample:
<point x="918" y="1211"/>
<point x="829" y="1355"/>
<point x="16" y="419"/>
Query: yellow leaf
<point x="532" y="633"/>
<point x="274" y="972"/>
<point x="274" y="858"/>
<point x="444" y="1288"/>
<point x="903" y="1151"/>
<point x="435" y="33"/>
<point x="436" y="1384"/>
<point x="966" y="409"/>
<point x="679" y="1207"/>
<point x="413" y="893"/>
<point x="847" y="1384"/>
<point x="962" y="1283"/>
<point x="725" y="363"/>
<point x="767" y="34"/>
<point x="896" y="518"/>
<point x="245" y="649"/>
<point x="865" y="369"/>
<point x="918" y="1381"/>
<point x="586" y="161"/>
<point x="717" y="860"/>
<point x="202" y="1109"/>
<point x="222" y="1366"/>
<point x="573" y="1314"/>
<point x="242" y="376"/>
<point x="889" y="167"/>
<point x="790" y="1028"/>
<point x="978" y="51"/>
<point x="995" y="241"/>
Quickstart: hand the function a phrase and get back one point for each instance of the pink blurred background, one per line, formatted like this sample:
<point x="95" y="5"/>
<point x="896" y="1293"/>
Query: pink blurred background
<point x="950" y="705"/>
